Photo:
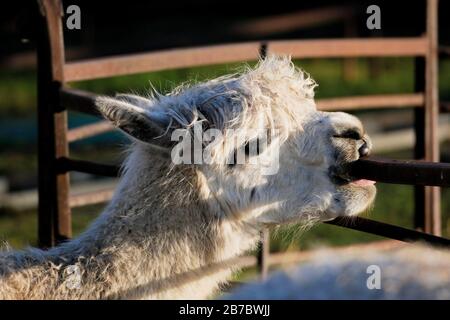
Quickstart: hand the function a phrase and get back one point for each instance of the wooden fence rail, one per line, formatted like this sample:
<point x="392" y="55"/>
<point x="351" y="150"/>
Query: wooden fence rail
<point x="83" y="101"/>
<point x="200" y="56"/>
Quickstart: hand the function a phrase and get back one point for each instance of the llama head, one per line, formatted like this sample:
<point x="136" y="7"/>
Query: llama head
<point x="256" y="142"/>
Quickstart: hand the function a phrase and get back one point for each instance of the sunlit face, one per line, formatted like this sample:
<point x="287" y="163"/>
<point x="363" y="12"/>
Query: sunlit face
<point x="311" y="182"/>
<point x="298" y="175"/>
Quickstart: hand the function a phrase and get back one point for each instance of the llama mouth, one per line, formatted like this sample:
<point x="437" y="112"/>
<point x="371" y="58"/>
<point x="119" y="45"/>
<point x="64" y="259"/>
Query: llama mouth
<point x="340" y="177"/>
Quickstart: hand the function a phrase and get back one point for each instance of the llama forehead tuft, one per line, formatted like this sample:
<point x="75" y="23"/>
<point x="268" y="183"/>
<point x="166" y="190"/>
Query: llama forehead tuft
<point x="279" y="75"/>
<point x="274" y="90"/>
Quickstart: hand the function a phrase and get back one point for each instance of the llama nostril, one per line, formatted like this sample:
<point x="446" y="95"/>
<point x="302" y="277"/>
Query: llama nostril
<point x="364" y="150"/>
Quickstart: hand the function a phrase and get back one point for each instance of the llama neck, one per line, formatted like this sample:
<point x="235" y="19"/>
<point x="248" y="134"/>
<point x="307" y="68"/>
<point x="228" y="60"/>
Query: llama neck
<point x="154" y="240"/>
<point x="166" y="242"/>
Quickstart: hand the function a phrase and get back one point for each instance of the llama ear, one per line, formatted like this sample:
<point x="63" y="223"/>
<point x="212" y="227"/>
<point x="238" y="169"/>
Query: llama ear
<point x="135" y="120"/>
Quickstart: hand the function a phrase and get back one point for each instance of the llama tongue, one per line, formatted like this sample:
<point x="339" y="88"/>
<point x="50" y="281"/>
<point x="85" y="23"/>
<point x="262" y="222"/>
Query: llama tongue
<point x="363" y="182"/>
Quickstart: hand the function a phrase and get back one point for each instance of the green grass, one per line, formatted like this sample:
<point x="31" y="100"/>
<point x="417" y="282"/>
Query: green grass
<point x="18" y="93"/>
<point x="19" y="229"/>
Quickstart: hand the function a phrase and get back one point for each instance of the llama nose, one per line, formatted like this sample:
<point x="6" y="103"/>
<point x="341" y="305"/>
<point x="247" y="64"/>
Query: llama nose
<point x="364" y="150"/>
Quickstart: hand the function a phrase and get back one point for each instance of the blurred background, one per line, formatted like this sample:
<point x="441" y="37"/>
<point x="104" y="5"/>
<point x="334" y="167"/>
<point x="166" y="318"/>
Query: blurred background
<point x="109" y="28"/>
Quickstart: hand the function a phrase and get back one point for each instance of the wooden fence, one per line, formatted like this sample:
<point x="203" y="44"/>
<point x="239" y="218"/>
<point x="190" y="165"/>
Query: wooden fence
<point x="55" y="98"/>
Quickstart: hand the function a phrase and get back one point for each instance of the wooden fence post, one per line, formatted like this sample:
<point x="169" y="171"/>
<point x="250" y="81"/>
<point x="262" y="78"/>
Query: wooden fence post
<point x="54" y="220"/>
<point x="264" y="245"/>
<point x="432" y="194"/>
<point x="263" y="254"/>
<point x="427" y="199"/>
<point x="419" y="147"/>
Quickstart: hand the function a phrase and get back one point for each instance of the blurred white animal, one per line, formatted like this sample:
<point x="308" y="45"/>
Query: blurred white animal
<point x="411" y="272"/>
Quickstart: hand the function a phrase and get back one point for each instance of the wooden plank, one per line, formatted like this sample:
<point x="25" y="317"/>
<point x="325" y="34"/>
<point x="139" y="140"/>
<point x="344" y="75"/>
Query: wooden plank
<point x="54" y="220"/>
<point x="89" y="130"/>
<point x="346" y="48"/>
<point x="432" y="194"/>
<point x="191" y="57"/>
<point x="83" y="101"/>
<point x="90" y="198"/>
<point x="409" y="172"/>
<point x="160" y="60"/>
<point x="52" y="11"/>
<point x="402" y="139"/>
<point x="371" y="102"/>
<point x="63" y="223"/>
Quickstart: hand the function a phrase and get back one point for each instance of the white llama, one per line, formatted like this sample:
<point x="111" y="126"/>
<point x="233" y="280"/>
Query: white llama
<point x="166" y="222"/>
<point x="410" y="272"/>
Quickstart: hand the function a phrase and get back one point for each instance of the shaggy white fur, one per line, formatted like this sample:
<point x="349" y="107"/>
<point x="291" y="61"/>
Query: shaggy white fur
<point x="413" y="272"/>
<point x="167" y="222"/>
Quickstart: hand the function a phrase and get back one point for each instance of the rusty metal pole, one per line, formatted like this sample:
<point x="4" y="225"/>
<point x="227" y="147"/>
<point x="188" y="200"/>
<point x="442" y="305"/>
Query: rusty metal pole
<point x="263" y="254"/>
<point x="264" y="245"/>
<point x="427" y="199"/>
<point x="419" y="146"/>
<point x="432" y="194"/>
<point x="54" y="219"/>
